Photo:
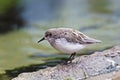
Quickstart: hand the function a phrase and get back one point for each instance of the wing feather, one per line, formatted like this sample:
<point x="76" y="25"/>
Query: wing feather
<point x="74" y="36"/>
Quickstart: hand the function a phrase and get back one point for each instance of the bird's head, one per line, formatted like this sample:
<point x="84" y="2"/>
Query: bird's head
<point x="48" y="35"/>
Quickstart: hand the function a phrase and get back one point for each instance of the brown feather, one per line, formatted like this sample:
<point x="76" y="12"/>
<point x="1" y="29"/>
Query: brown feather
<point x="71" y="35"/>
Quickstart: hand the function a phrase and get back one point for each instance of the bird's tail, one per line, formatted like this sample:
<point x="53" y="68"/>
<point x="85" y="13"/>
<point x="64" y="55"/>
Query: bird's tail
<point x="92" y="41"/>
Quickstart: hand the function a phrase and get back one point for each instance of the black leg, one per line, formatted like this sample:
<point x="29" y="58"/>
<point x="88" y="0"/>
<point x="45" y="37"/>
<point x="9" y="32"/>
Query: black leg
<point x="72" y="56"/>
<point x="69" y="60"/>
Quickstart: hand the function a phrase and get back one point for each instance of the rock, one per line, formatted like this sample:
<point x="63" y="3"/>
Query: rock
<point x="97" y="66"/>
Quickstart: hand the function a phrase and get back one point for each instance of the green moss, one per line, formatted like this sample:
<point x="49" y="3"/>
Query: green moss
<point x="6" y="4"/>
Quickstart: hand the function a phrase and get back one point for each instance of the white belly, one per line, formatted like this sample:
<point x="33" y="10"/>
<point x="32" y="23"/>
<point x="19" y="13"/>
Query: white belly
<point x="66" y="47"/>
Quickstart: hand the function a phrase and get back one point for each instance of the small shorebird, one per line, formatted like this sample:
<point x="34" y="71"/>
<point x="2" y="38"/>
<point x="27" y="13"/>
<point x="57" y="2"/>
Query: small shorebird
<point x="68" y="40"/>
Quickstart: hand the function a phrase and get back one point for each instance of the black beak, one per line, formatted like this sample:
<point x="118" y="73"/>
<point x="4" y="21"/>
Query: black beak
<point x="41" y="39"/>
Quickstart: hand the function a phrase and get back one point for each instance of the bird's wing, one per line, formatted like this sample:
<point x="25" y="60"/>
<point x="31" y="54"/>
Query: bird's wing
<point x="70" y="35"/>
<point x="77" y="37"/>
<point x="85" y="39"/>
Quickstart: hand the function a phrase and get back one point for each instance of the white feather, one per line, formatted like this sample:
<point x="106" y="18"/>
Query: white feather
<point x="67" y="47"/>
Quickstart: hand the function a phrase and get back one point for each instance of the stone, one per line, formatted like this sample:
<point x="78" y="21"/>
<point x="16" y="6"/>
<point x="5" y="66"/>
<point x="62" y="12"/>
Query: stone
<point x="103" y="65"/>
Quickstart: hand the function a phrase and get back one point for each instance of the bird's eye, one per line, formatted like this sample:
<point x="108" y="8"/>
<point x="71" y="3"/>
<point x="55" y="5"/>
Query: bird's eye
<point x="48" y="35"/>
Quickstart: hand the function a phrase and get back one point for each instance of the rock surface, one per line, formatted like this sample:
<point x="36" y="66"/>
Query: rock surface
<point x="103" y="65"/>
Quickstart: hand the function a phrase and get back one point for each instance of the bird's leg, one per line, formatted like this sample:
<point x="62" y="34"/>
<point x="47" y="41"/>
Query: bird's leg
<point x="72" y="56"/>
<point x="69" y="60"/>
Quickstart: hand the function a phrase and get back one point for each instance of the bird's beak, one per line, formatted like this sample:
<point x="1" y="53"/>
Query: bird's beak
<point x="41" y="39"/>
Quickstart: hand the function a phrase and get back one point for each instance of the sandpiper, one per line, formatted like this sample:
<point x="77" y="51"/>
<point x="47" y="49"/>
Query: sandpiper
<point x="68" y="40"/>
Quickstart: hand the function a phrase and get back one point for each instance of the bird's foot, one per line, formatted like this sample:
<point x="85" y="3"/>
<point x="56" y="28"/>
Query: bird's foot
<point x="66" y="61"/>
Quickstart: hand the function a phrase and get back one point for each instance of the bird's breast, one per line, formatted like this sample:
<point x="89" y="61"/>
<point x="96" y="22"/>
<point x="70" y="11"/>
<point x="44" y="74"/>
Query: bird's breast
<point x="66" y="47"/>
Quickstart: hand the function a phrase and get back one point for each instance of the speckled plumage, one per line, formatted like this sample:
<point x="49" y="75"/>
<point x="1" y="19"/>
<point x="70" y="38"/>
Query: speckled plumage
<point x="71" y="35"/>
<point x="67" y="40"/>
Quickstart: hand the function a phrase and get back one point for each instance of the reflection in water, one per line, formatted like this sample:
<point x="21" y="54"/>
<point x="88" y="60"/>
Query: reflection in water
<point x="11" y="18"/>
<point x="99" y="6"/>
<point x="14" y="73"/>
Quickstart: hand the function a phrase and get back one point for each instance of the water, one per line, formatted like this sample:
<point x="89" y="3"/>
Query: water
<point x="99" y="20"/>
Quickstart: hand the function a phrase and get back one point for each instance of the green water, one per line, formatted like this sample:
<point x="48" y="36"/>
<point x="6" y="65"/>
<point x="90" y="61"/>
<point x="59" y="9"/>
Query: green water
<point x="20" y="48"/>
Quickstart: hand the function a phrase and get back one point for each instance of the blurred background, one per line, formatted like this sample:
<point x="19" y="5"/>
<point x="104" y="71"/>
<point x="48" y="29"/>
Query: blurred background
<point x="23" y="23"/>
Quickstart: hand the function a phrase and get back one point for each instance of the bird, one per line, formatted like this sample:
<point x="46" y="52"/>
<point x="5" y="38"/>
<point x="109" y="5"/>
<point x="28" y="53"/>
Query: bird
<point x="68" y="40"/>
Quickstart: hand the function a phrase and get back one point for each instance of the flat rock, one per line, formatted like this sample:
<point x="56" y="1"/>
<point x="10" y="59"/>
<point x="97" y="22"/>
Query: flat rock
<point x="103" y="65"/>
